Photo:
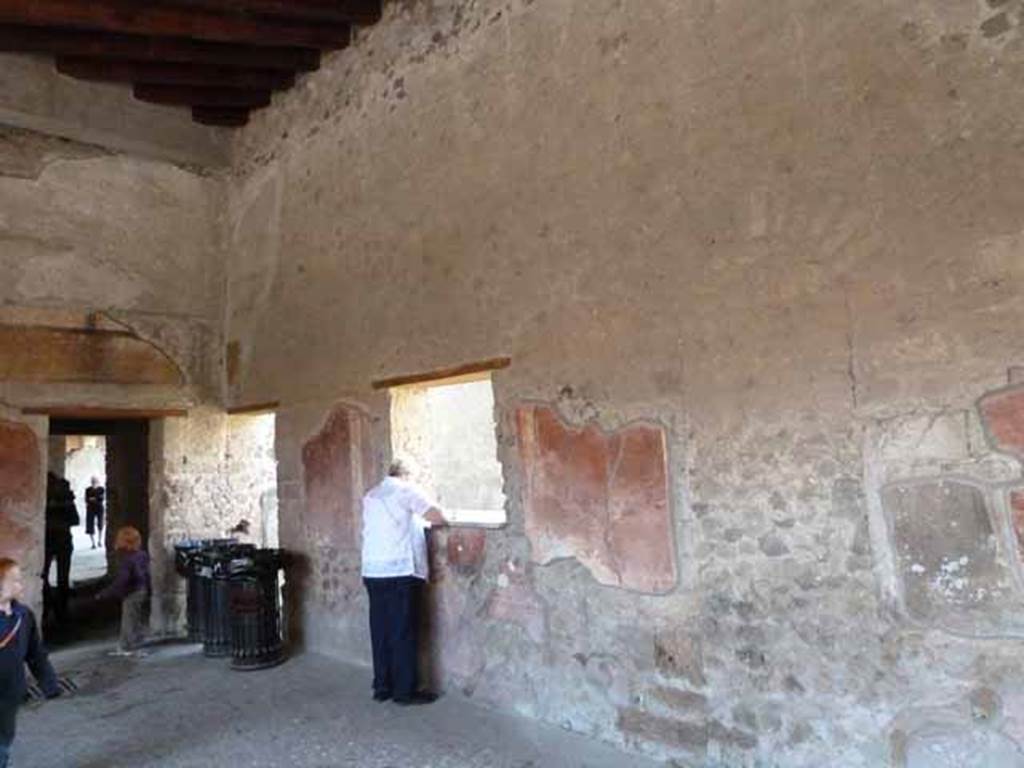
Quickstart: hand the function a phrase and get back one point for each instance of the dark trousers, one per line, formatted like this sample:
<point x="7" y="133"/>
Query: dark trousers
<point x="394" y="620"/>
<point x="94" y="521"/>
<point x="59" y="547"/>
<point x="8" y="712"/>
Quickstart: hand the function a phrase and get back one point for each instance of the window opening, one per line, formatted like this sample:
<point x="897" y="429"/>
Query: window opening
<point x="252" y="478"/>
<point x="447" y="427"/>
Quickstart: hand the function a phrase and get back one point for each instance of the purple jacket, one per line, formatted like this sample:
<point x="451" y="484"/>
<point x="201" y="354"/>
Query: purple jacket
<point x="132" y="576"/>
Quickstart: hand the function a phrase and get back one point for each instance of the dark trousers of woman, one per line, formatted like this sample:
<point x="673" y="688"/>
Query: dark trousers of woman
<point x="394" y="620"/>
<point x="59" y="548"/>
<point x="94" y="521"/>
<point x="8" y="711"/>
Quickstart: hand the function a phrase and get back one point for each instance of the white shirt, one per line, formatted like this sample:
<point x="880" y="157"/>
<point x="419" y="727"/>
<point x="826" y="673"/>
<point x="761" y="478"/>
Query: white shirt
<point x="394" y="530"/>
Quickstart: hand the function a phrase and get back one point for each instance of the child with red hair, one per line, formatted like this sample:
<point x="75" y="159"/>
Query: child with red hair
<point x="131" y="587"/>
<point x="20" y="644"/>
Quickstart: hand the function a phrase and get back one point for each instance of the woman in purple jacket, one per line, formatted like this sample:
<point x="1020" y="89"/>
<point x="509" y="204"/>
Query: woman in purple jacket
<point x="131" y="587"/>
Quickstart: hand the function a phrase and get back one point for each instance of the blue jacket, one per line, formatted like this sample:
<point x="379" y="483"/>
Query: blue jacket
<point x="25" y="647"/>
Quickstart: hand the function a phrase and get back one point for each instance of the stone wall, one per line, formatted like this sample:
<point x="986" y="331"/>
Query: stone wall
<point x="754" y="266"/>
<point x="758" y="269"/>
<point x="208" y="471"/>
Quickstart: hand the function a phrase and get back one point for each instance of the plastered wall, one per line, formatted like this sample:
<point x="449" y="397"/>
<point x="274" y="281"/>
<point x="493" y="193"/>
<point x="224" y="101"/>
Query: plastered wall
<point x="758" y="269"/>
<point x="754" y="265"/>
<point x="111" y="273"/>
<point x="91" y="238"/>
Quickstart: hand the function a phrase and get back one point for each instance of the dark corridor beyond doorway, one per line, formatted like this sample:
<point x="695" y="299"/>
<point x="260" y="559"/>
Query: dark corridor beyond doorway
<point x="78" y="615"/>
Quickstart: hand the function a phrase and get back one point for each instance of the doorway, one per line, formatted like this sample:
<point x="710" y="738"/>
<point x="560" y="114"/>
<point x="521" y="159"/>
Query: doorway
<point x="85" y="467"/>
<point x="106" y="461"/>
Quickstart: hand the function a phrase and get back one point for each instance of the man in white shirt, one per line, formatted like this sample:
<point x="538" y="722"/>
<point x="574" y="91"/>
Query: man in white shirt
<point x="396" y="516"/>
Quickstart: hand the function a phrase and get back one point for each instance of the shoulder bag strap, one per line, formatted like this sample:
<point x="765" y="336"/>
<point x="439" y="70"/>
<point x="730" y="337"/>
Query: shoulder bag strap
<point x="6" y="640"/>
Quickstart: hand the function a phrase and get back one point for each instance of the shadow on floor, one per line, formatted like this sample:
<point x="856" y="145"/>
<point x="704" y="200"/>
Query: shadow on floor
<point x="177" y="709"/>
<point x="88" y="619"/>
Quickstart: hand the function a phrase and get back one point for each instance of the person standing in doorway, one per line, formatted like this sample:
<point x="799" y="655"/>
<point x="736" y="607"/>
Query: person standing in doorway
<point x="61" y="517"/>
<point x="19" y="645"/>
<point x="132" y="587"/>
<point x="94" y="509"/>
<point x="396" y="516"/>
<point x="241" y="532"/>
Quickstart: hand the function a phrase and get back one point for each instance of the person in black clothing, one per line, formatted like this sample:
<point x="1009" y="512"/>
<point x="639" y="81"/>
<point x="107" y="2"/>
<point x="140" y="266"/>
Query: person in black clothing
<point x="19" y="645"/>
<point x="94" y="508"/>
<point x="61" y="517"/>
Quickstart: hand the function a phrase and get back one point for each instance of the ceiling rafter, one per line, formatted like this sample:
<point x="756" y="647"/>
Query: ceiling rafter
<point x="73" y="42"/>
<point x="171" y="73"/>
<point x="206" y="96"/>
<point x="347" y="11"/>
<point x="221" y="58"/>
<point x="168" y="21"/>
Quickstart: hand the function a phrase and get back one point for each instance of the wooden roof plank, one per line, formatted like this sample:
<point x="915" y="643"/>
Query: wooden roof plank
<point x="160" y="21"/>
<point x="346" y="11"/>
<point x="123" y="71"/>
<point x="190" y="95"/>
<point x="113" y="46"/>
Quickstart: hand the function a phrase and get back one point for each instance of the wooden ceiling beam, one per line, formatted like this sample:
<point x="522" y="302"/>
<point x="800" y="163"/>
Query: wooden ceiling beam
<point x="72" y="42"/>
<point x="117" y="71"/>
<point x="222" y="117"/>
<point x="160" y="21"/>
<point x="189" y="95"/>
<point x="346" y="11"/>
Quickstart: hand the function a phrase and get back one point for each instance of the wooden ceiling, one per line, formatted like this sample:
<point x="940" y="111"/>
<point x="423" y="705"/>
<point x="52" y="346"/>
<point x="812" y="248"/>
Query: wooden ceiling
<point x="220" y="58"/>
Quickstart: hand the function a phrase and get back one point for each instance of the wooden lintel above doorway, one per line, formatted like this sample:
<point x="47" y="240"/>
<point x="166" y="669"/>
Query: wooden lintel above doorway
<point x="103" y="414"/>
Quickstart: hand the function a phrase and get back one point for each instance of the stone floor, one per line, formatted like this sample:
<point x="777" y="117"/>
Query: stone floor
<point x="87" y="564"/>
<point x="176" y="708"/>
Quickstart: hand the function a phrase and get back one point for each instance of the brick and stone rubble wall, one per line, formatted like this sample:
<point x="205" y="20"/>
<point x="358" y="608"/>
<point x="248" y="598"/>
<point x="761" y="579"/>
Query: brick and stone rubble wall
<point x="208" y="471"/>
<point x="758" y="270"/>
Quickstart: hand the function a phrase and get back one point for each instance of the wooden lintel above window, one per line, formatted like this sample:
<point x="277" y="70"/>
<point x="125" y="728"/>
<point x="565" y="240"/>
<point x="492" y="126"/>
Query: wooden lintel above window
<point x="469" y="369"/>
<point x="242" y="410"/>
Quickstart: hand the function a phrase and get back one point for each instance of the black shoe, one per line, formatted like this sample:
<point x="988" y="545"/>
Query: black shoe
<point x="420" y="697"/>
<point x="381" y="696"/>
